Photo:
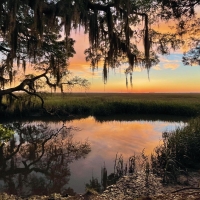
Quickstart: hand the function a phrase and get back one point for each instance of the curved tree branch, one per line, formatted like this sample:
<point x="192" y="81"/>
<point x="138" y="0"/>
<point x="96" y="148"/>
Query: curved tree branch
<point x="20" y="87"/>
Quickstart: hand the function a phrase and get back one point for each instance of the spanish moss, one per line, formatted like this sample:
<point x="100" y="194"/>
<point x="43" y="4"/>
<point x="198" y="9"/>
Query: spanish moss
<point x="94" y="30"/>
<point x="105" y="73"/>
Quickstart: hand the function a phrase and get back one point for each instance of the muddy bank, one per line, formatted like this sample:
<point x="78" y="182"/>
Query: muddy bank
<point x="134" y="187"/>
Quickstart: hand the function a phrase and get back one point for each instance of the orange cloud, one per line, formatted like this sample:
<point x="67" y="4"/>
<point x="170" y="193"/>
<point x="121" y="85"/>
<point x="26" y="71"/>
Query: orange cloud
<point x="171" y="66"/>
<point x="157" y="67"/>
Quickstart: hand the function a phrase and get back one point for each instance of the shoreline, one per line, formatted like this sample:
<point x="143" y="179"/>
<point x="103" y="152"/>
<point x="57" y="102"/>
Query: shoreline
<point x="132" y="187"/>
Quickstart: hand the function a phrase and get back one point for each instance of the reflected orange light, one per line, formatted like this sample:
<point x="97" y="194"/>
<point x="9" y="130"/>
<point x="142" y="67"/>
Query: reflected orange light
<point x="127" y="138"/>
<point x="110" y="138"/>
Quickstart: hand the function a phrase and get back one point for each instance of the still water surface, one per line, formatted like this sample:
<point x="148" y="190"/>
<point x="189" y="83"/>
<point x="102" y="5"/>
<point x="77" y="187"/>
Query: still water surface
<point x="105" y="139"/>
<point x="112" y="137"/>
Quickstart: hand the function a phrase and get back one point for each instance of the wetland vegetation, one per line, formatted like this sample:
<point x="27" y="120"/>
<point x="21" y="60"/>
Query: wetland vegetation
<point x="106" y="104"/>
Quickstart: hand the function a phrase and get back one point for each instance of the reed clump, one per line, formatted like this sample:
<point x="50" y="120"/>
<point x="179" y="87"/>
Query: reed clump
<point x="179" y="152"/>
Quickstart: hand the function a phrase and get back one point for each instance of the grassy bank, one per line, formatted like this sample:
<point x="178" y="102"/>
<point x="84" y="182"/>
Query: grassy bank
<point x="104" y="104"/>
<point x="180" y="148"/>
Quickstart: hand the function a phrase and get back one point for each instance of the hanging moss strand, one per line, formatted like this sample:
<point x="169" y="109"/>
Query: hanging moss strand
<point x="146" y="41"/>
<point x="94" y="30"/>
<point x="24" y="66"/>
<point x="110" y="23"/>
<point x="105" y="73"/>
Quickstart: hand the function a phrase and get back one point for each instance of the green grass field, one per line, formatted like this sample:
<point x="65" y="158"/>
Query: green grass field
<point x="106" y="104"/>
<point x="117" y="103"/>
<point x="175" y="97"/>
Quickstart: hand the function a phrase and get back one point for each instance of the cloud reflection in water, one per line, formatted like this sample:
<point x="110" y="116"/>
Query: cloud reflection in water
<point x="112" y="137"/>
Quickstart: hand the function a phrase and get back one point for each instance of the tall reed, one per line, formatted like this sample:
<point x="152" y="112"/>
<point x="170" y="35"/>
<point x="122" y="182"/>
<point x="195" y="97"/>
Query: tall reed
<point x="179" y="151"/>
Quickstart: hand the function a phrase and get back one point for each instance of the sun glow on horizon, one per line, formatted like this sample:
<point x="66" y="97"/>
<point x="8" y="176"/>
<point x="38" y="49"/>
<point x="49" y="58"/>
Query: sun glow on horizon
<point x="169" y="76"/>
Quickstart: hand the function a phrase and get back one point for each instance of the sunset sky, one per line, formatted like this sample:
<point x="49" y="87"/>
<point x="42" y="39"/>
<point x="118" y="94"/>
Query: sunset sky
<point x="170" y="75"/>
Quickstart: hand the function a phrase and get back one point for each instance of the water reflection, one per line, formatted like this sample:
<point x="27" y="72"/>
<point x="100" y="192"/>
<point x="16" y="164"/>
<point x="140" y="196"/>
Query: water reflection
<point x="111" y="137"/>
<point x="35" y="160"/>
<point x="38" y="159"/>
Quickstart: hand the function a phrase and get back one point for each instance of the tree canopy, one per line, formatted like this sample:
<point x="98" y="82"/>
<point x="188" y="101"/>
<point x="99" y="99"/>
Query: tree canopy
<point x="36" y="34"/>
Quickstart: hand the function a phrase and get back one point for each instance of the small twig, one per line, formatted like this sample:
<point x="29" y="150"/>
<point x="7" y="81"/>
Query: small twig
<point x="190" y="188"/>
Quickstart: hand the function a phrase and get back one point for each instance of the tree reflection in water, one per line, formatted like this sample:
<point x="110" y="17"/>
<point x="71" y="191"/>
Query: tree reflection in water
<point x="35" y="160"/>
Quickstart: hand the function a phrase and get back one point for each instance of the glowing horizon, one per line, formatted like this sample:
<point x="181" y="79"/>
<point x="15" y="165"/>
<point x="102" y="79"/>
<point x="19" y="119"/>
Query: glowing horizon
<point x="169" y="76"/>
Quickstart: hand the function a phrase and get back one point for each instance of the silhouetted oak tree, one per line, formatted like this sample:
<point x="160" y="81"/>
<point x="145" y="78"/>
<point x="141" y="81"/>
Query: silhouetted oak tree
<point x="30" y="32"/>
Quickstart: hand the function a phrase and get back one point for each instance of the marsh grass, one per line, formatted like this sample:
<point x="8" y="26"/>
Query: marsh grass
<point x="182" y="144"/>
<point x="178" y="153"/>
<point x="98" y="104"/>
